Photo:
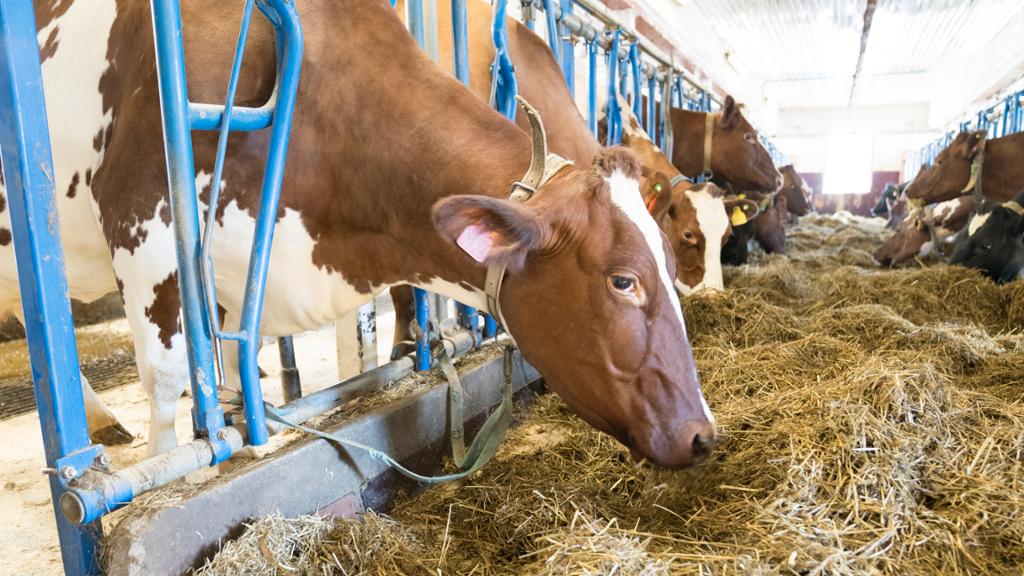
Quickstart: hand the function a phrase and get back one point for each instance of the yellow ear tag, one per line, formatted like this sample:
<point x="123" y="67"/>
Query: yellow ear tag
<point x="739" y="218"/>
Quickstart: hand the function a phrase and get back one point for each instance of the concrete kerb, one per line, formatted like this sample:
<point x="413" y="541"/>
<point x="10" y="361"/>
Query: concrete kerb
<point x="309" y="477"/>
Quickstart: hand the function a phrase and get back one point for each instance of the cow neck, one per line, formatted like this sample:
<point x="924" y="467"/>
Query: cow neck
<point x="691" y="152"/>
<point x="412" y="136"/>
<point x="1002" y="171"/>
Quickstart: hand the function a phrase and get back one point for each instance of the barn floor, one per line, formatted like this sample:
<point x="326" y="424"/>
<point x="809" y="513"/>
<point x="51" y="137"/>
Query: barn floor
<point x="28" y="537"/>
<point x="871" y="422"/>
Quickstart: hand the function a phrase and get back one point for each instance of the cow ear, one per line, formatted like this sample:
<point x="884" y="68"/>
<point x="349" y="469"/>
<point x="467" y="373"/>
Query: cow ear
<point x="974" y="143"/>
<point x="730" y="112"/>
<point x="491" y="231"/>
<point x="659" y="197"/>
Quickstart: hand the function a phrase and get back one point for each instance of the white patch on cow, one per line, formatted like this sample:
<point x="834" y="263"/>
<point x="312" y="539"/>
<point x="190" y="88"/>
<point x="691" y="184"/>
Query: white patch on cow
<point x="71" y="78"/>
<point x="946" y="209"/>
<point x="163" y="371"/>
<point x="926" y="249"/>
<point x="625" y="193"/>
<point x="977" y="221"/>
<point x="74" y="109"/>
<point x="713" y="222"/>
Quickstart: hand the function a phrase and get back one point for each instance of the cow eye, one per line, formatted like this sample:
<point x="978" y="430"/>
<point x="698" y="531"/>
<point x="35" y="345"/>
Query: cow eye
<point x="985" y="247"/>
<point x="624" y="283"/>
<point x="749" y="137"/>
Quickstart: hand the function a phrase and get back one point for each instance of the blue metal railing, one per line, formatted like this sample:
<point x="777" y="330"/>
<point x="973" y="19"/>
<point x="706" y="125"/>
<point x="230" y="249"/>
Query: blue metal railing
<point x="1003" y="118"/>
<point x="28" y="170"/>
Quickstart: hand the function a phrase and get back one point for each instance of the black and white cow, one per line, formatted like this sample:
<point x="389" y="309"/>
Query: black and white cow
<point x="994" y="241"/>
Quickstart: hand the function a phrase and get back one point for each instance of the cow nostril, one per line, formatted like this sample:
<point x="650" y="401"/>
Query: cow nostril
<point x="701" y="447"/>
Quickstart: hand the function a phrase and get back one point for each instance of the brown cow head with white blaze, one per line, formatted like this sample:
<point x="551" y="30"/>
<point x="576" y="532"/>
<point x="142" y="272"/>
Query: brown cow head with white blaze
<point x="692" y="217"/>
<point x="589" y="298"/>
<point x="950" y="174"/>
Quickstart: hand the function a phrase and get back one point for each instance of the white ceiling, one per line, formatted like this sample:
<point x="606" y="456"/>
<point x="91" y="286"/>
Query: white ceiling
<point x="936" y="57"/>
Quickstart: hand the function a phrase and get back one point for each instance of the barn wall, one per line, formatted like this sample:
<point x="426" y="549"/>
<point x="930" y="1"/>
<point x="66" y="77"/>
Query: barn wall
<point x="860" y="204"/>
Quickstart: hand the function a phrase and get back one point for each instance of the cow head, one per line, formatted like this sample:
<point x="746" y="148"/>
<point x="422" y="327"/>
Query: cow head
<point x="737" y="155"/>
<point x="770" y="226"/>
<point x="692" y="217"/>
<point x="589" y="298"/>
<point x="994" y="241"/>
<point x="742" y="212"/>
<point x="907" y="242"/>
<point x="886" y="200"/>
<point x="794" y="191"/>
<point x="950" y="173"/>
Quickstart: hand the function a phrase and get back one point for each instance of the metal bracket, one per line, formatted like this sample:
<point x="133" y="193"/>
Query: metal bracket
<point x="77" y="463"/>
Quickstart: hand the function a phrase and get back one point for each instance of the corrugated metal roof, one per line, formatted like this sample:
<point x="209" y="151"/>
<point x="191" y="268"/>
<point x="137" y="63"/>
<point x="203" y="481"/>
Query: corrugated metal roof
<point x="805" y="40"/>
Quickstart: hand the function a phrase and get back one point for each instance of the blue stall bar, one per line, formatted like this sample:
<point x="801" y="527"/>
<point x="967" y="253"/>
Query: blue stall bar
<point x="28" y="170"/>
<point x="207" y="416"/>
<point x="568" y="52"/>
<point x="592" y="86"/>
<point x="613" y="115"/>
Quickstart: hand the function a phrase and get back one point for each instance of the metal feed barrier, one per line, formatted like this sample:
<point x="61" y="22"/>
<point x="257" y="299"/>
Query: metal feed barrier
<point x="1002" y="118"/>
<point x="83" y="486"/>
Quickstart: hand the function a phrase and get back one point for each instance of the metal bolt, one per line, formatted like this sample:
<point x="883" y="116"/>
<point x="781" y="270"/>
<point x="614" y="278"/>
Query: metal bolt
<point x="68" y="472"/>
<point x="222" y="435"/>
<point x="104" y="460"/>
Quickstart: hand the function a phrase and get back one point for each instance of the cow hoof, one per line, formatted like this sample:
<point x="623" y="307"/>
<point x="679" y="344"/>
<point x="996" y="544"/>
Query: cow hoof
<point x="112" y="435"/>
<point x="402" y="349"/>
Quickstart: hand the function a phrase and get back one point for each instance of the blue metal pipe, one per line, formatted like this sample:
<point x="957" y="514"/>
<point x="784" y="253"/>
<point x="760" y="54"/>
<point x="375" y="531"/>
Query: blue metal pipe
<point x="613" y="114"/>
<point x="243" y="119"/>
<point x="634" y="69"/>
<point x="53" y="356"/>
<point x="552" y="26"/>
<point x="592" y="86"/>
<point x="568" y="51"/>
<point x="423" y="334"/>
<point x="415" y="20"/>
<point x="503" y="75"/>
<point x="207" y="415"/>
<point x="289" y="29"/>
<point x="460" y="40"/>
<point x="206" y="261"/>
<point x="652" y="109"/>
<point x="503" y="91"/>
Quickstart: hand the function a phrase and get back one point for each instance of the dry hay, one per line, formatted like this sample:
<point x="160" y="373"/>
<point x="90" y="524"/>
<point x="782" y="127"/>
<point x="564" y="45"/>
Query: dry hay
<point x="871" y="423"/>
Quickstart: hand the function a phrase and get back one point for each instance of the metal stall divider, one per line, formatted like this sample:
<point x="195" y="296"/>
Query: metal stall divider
<point x="28" y="170"/>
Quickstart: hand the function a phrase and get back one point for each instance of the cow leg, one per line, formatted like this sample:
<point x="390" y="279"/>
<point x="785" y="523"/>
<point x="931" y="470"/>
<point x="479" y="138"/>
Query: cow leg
<point x="148" y="279"/>
<point x="405" y="313"/>
<point x="103" y="425"/>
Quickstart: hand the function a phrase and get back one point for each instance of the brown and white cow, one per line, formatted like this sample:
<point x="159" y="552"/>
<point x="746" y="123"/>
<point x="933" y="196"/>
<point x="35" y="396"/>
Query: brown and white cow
<point x="917" y="234"/>
<point x="1002" y="172"/>
<point x="380" y="185"/>
<point x="693" y="217"/>
<point x="540" y="82"/>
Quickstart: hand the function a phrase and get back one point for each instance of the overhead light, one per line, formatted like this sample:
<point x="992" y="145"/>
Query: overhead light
<point x="735" y="63"/>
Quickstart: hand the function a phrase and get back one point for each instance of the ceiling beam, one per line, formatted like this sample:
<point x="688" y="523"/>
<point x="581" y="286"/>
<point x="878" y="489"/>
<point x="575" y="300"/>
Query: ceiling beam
<point x="869" y="13"/>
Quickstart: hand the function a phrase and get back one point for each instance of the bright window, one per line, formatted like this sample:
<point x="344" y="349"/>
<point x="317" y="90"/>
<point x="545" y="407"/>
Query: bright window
<point x="847" y="164"/>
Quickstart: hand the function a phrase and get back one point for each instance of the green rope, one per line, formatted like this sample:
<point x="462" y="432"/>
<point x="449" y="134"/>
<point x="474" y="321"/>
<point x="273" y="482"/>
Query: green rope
<point x="479" y="453"/>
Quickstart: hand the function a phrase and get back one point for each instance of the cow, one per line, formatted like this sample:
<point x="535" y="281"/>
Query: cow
<point x="540" y="81"/>
<point x="693" y="217"/>
<point x="949" y="176"/>
<point x="796" y="192"/>
<point x="889" y="196"/>
<point x="994" y="241"/>
<point x="382" y="187"/>
<point x="917" y="234"/>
